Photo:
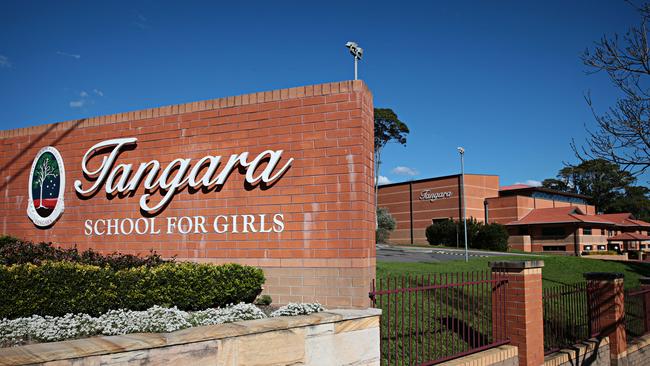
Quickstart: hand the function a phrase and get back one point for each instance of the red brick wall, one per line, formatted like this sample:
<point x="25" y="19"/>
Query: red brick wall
<point x="326" y="251"/>
<point x="396" y="199"/>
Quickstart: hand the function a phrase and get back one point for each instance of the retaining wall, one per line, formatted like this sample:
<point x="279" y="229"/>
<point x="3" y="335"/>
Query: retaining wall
<point x="337" y="337"/>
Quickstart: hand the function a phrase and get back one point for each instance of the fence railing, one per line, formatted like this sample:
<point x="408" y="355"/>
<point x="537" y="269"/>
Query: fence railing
<point x="637" y="312"/>
<point x="434" y="318"/>
<point x="566" y="316"/>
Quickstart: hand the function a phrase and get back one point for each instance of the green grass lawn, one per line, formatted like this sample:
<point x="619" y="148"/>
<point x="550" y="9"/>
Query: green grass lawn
<point x="557" y="269"/>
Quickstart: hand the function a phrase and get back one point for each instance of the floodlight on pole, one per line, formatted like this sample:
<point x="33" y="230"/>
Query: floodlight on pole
<point x="357" y="52"/>
<point x="461" y="151"/>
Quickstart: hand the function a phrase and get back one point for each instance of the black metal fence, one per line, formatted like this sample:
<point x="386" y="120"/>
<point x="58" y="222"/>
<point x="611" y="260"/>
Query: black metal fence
<point x="434" y="318"/>
<point x="637" y="309"/>
<point x="566" y="316"/>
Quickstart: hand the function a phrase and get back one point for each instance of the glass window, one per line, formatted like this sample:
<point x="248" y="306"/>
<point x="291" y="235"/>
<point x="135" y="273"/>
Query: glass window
<point x="554" y="248"/>
<point x="588" y="247"/>
<point x="553" y="231"/>
<point x="586" y="231"/>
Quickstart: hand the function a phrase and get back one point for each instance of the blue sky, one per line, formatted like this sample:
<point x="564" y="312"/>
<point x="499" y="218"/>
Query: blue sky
<point x="503" y="79"/>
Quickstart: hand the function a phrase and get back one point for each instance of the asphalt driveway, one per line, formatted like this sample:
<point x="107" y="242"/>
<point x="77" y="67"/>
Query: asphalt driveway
<point x="393" y="253"/>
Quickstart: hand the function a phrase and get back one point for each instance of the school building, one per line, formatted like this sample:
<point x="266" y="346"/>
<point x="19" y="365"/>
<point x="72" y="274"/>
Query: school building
<point x="538" y="219"/>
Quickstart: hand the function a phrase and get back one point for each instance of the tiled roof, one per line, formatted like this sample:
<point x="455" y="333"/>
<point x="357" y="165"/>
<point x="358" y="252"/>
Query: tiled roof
<point x="558" y="215"/>
<point x="625" y="219"/>
<point x="628" y="237"/>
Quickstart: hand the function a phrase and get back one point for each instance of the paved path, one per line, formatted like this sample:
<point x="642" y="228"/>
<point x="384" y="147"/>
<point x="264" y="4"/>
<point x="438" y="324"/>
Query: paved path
<point x="393" y="253"/>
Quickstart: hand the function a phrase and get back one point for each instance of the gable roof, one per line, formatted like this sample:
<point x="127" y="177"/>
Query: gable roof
<point x="560" y="215"/>
<point x="625" y="219"/>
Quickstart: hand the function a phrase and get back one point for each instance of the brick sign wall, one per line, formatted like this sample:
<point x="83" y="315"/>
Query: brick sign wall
<point x="299" y="204"/>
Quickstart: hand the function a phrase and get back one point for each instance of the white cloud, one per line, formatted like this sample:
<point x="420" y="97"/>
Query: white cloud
<point x="383" y="180"/>
<point x="404" y="170"/>
<point x="83" y="94"/>
<point x="60" y="53"/>
<point x="4" y="61"/>
<point x="77" y="103"/>
<point x="530" y="182"/>
<point x="141" y="22"/>
<point x="98" y="92"/>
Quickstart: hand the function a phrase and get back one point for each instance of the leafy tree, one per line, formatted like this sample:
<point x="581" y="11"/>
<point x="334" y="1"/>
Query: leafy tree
<point x="601" y="180"/>
<point x="388" y="128"/>
<point x="385" y="225"/>
<point x="635" y="200"/>
<point x="622" y="135"/>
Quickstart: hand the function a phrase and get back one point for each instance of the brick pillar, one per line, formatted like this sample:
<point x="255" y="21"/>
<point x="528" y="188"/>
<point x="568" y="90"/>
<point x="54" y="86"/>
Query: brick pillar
<point x="518" y="313"/>
<point x="607" y="312"/>
<point x="645" y="285"/>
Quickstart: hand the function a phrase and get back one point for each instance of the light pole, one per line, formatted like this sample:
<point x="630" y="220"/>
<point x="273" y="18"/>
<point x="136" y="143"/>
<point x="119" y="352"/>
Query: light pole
<point x="357" y="52"/>
<point x="461" y="151"/>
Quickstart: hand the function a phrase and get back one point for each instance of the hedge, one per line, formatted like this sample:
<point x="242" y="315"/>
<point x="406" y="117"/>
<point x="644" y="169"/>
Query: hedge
<point x="17" y="251"/>
<point x="57" y="288"/>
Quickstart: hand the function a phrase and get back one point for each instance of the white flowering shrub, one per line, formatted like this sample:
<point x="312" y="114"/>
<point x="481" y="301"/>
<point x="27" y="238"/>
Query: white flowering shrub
<point x="293" y="309"/>
<point x="156" y="319"/>
<point x="234" y="313"/>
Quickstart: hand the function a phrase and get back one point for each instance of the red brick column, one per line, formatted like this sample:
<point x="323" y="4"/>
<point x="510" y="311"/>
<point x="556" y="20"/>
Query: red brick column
<point x="607" y="311"/>
<point x="645" y="285"/>
<point x="517" y="311"/>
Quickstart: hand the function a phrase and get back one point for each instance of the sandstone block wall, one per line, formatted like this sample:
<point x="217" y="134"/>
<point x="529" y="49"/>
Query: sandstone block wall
<point x="340" y="337"/>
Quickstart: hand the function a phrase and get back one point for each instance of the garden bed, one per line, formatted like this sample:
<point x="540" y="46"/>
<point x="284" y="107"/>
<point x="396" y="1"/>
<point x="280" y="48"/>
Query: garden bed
<point x="157" y="319"/>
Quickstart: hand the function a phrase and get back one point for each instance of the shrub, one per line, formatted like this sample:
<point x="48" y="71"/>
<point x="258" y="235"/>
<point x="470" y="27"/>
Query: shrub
<point x="263" y="300"/>
<point x="450" y="233"/>
<point x="116" y="322"/>
<point x="57" y="288"/>
<point x="443" y="232"/>
<point x="492" y="237"/>
<point x="479" y="236"/>
<point x="16" y="251"/>
<point x="601" y="252"/>
<point x="385" y="225"/>
<point x="293" y="309"/>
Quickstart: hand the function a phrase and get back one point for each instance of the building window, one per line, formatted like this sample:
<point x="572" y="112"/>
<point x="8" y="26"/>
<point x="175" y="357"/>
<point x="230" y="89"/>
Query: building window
<point x="602" y="247"/>
<point x="586" y="231"/>
<point x="588" y="247"/>
<point x="554" y="231"/>
<point x="555" y="248"/>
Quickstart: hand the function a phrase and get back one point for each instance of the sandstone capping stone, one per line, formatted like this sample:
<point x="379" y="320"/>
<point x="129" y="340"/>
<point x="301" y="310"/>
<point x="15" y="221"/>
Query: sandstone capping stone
<point x="78" y="348"/>
<point x="516" y="264"/>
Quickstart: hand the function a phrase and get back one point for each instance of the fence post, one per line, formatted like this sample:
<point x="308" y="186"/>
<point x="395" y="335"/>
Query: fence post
<point x="645" y="285"/>
<point x="606" y="302"/>
<point x="523" y="321"/>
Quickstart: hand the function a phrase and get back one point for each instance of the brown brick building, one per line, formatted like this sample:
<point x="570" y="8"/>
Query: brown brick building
<point x="538" y="219"/>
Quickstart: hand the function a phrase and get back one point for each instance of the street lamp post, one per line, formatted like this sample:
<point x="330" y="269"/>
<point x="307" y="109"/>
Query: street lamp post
<point x="461" y="151"/>
<point x="356" y="52"/>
